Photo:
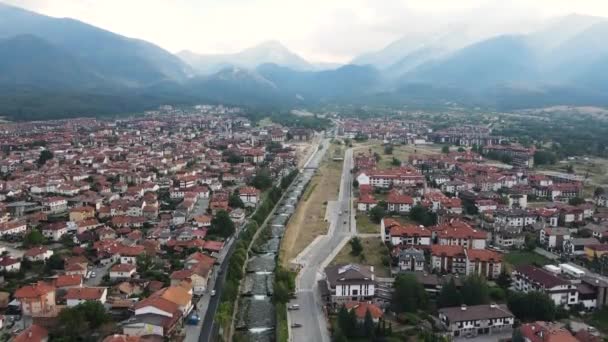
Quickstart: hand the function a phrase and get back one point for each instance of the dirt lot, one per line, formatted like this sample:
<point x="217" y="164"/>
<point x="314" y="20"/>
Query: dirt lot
<point x="309" y="219"/>
<point x="373" y="253"/>
<point x="401" y="152"/>
<point x="594" y="170"/>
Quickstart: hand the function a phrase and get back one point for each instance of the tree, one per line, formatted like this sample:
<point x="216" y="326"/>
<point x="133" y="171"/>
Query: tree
<point x="599" y="191"/>
<point x="388" y="149"/>
<point x="445" y="149"/>
<point x="82" y="320"/>
<point x="517" y="336"/>
<point x="347" y="322"/>
<point x="544" y="158"/>
<point x="54" y="262"/>
<point x="33" y="238"/>
<point x="235" y="201"/>
<point x="530" y="241"/>
<point x="461" y="149"/>
<point x="396" y="162"/>
<point x="355" y="184"/>
<point x="222" y="225"/>
<point x="262" y="180"/>
<point x="449" y="295"/>
<point x="45" y="155"/>
<point x="475" y="290"/>
<point x="376" y="214"/>
<point x="355" y="246"/>
<point x="576" y="201"/>
<point x="570" y="168"/>
<point x="408" y="294"/>
<point x="532" y="306"/>
<point x="280" y="293"/>
<point x="423" y="216"/>
<point x="369" y="330"/>
<point x="144" y="262"/>
<point x="504" y="280"/>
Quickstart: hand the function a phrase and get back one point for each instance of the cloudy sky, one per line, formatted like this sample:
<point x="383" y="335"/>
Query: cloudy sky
<point x="319" y="30"/>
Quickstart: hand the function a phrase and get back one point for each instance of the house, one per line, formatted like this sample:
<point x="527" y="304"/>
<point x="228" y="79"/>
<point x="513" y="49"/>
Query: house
<point x="459" y="233"/>
<point x="249" y="195"/>
<point x="366" y="202"/>
<point x="154" y="316"/>
<point x="35" y="333"/>
<point x="12" y="228"/>
<point x="399" y="203"/>
<point x="411" y="259"/>
<point x="350" y="282"/>
<point x="81" y="213"/>
<point x="122" y="271"/>
<point x="409" y="235"/>
<point x="361" y="308"/>
<point x="121" y="338"/>
<point x="55" y="205"/>
<point x="37" y="300"/>
<point x="55" y="231"/>
<point x="202" y="221"/>
<point x="9" y="264"/>
<point x="465" y="321"/>
<point x="554" y="238"/>
<point x="38" y="254"/>
<point x="448" y="259"/>
<point x="179" y="295"/>
<point x="576" y="246"/>
<point x="68" y="281"/>
<point x="595" y="251"/>
<point x="545" y="332"/>
<point x="75" y="296"/>
<point x="483" y="262"/>
<point x="561" y="291"/>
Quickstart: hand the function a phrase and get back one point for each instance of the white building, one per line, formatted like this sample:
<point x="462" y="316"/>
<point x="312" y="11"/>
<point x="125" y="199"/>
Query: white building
<point x="351" y="282"/>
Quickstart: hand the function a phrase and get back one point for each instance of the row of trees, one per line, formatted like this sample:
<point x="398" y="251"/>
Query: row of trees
<point x="348" y="327"/>
<point x="418" y="214"/>
<point x="235" y="273"/>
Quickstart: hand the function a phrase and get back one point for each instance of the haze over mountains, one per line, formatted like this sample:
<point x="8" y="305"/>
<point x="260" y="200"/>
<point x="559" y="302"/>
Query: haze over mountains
<point x="53" y="67"/>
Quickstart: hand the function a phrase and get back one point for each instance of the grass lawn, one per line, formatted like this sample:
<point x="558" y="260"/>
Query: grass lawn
<point x="308" y="221"/>
<point x="374" y="251"/>
<point x="599" y="320"/>
<point x="366" y="226"/>
<point x="516" y="258"/>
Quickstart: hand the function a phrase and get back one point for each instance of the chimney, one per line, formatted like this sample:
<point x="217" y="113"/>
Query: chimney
<point x="463" y="307"/>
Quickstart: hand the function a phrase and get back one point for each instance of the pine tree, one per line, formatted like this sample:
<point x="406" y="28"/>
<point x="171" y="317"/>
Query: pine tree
<point x="368" y="325"/>
<point x="449" y="295"/>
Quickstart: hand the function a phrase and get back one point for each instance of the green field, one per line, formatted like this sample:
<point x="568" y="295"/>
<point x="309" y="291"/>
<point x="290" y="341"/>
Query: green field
<point x="517" y="258"/>
<point x="366" y="226"/>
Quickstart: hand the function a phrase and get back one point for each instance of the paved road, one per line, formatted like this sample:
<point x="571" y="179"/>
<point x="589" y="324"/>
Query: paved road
<point x="341" y="228"/>
<point x="209" y="329"/>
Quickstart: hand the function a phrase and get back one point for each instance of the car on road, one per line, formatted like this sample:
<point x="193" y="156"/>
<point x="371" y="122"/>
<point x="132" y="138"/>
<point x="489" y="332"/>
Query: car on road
<point x="294" y="307"/>
<point x="93" y="275"/>
<point x="212" y="293"/>
<point x="296" y="325"/>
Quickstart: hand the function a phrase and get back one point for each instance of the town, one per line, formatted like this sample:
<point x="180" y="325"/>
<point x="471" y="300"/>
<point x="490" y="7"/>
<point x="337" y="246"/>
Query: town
<point x="201" y="224"/>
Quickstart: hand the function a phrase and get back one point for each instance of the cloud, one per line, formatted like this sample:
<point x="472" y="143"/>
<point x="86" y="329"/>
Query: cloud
<point x="330" y="30"/>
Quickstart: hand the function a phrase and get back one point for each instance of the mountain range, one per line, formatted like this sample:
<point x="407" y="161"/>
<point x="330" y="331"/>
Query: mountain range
<point x="58" y="67"/>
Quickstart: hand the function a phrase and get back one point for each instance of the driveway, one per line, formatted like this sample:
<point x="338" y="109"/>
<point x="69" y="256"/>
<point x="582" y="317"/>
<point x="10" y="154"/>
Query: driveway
<point x="100" y="272"/>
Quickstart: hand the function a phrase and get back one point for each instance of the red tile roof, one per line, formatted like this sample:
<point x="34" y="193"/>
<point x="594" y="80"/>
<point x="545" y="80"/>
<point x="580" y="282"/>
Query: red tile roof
<point x="85" y="293"/>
